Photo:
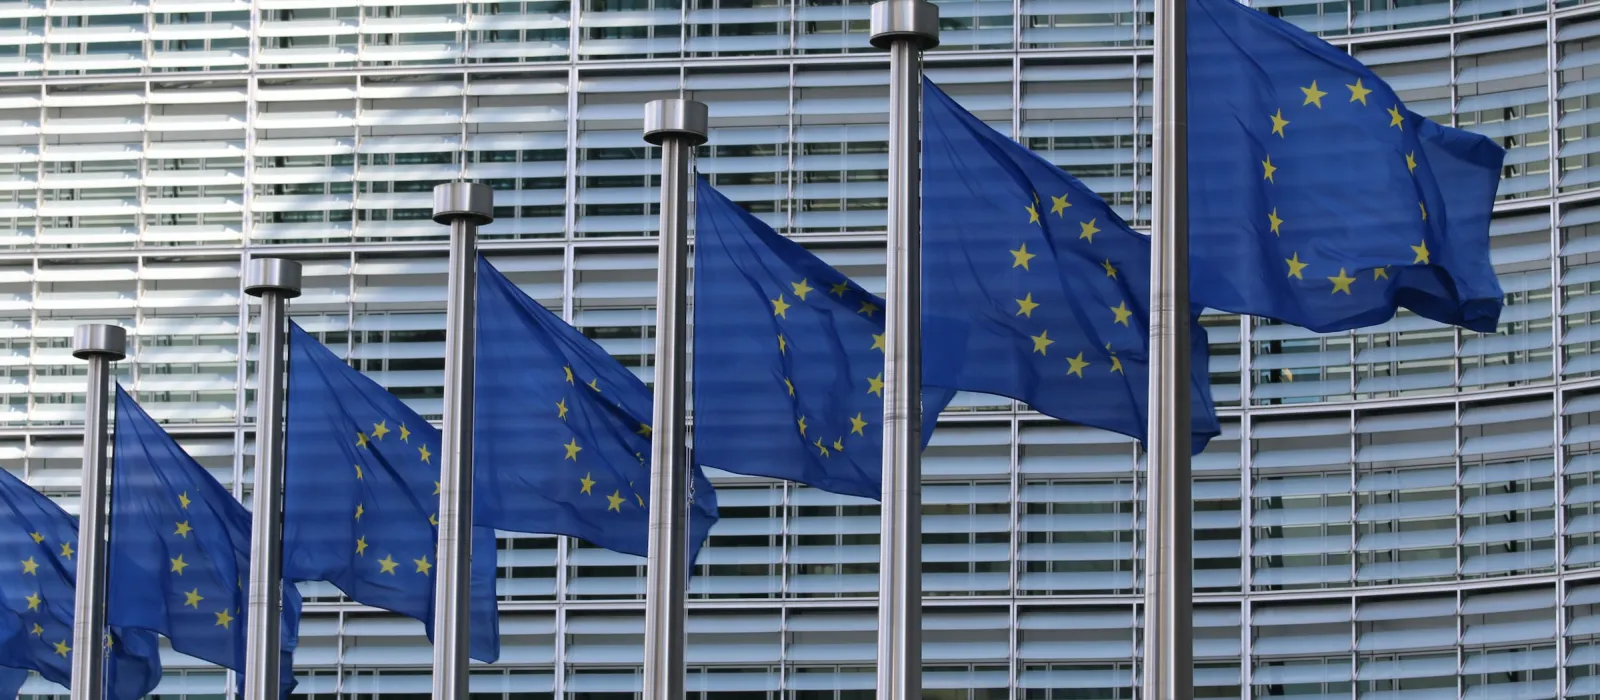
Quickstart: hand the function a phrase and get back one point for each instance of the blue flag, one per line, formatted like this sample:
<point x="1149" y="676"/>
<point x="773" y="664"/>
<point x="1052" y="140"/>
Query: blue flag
<point x="1036" y="289"/>
<point x="38" y="550"/>
<point x="1315" y="197"/>
<point x="563" y="430"/>
<point x="179" y="553"/>
<point x="11" y="680"/>
<point x="361" y="496"/>
<point x="788" y="372"/>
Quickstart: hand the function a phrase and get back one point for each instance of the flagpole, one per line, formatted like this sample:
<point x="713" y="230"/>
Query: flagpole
<point x="99" y="345"/>
<point x="1169" y="576"/>
<point x="275" y="281"/>
<point x="906" y="28"/>
<point x="464" y="207"/>
<point x="677" y="126"/>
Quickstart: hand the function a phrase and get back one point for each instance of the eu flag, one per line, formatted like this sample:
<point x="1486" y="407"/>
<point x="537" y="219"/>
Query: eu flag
<point x="563" y="430"/>
<point x="179" y="552"/>
<point x="1315" y="197"/>
<point x="38" y="552"/>
<point x="1036" y="289"/>
<point x="788" y="372"/>
<point x="361" y="496"/>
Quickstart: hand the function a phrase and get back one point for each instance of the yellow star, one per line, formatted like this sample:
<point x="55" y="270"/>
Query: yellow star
<point x="1042" y="341"/>
<point x="183" y="530"/>
<point x="223" y="618"/>
<point x="1077" y="365"/>
<point x="62" y="648"/>
<point x="1358" y="93"/>
<point x="783" y="345"/>
<point x="801" y="289"/>
<point x="595" y="384"/>
<point x="572" y="449"/>
<point x="868" y="308"/>
<point x="427" y="456"/>
<point x="1026" y="305"/>
<point x="37" y="538"/>
<point x="435" y="488"/>
<point x="1313" y="95"/>
<point x="423" y="566"/>
<point x="643" y="430"/>
<point x="857" y="424"/>
<point x="789" y="384"/>
<point x="183" y="500"/>
<point x="433" y="519"/>
<point x="1395" y="120"/>
<point x="361" y="439"/>
<point x="1380" y="273"/>
<point x="387" y="564"/>
<point x="1268" y="168"/>
<point x="875" y="385"/>
<point x="1033" y="214"/>
<point x="561" y="409"/>
<point x="1341" y="283"/>
<point x="1275" y="221"/>
<point x="1295" y="266"/>
<point x="840" y="288"/>
<point x="1424" y="207"/>
<point x="1087" y="230"/>
<point x="110" y="642"/>
<point x="178" y="565"/>
<point x="802" y="424"/>
<point x="838" y="445"/>
<point x="878" y="342"/>
<point x="360" y="511"/>
<point x="1411" y="162"/>
<point x="380" y="429"/>
<point x="1021" y="256"/>
<point x="405" y="433"/>
<point x="587" y="483"/>
<point x="1116" y="364"/>
<point x="33" y="601"/>
<point x="29" y="566"/>
<point x="192" y="599"/>
<point x="615" y="500"/>
<point x="37" y="630"/>
<point x="361" y="546"/>
<point x="822" y="451"/>
<point x="1110" y="271"/>
<point x="568" y="370"/>
<point x="1421" y="249"/>
<point x="66" y="550"/>
<point x="638" y="498"/>
<point x="1123" y="312"/>
<point x="1278" y="122"/>
<point x="1058" y="205"/>
<point x="780" y="307"/>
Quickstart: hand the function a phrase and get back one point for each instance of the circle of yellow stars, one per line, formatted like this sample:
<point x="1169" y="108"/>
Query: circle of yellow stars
<point x="865" y="307"/>
<point x="1021" y="257"/>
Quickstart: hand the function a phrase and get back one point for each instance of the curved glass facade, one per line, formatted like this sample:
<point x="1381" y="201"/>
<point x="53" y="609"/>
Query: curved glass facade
<point x="1406" y="512"/>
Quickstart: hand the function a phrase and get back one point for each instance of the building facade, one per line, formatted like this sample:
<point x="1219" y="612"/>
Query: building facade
<point x="1406" y="512"/>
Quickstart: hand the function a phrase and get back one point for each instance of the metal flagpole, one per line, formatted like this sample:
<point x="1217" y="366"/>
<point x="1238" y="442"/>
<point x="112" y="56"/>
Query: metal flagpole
<point x="1168" y="584"/>
<point x="677" y="126"/>
<point x="275" y="281"/>
<point x="464" y="206"/>
<point x="906" y="28"/>
<point x="99" y="345"/>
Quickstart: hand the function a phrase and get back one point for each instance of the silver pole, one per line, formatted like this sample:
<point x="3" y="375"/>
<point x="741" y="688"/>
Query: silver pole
<point x="906" y="28"/>
<point x="677" y="126"/>
<point x="1168" y="586"/>
<point x="275" y="281"/>
<point x="465" y="207"/>
<point x="99" y="345"/>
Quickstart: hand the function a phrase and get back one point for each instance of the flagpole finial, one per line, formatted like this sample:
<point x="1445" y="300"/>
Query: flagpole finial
<point x="675" y="117"/>
<point x="99" y="340"/>
<point x="272" y="275"/>
<point x="458" y="200"/>
<point x="896" y="20"/>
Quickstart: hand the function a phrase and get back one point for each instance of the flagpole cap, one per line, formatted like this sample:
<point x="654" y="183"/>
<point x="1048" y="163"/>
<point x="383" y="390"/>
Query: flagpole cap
<point x="685" y="119"/>
<point x="453" y="201"/>
<point x="272" y="275"/>
<point x="92" y="340"/>
<point x="916" y="21"/>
